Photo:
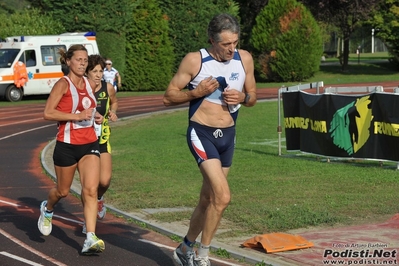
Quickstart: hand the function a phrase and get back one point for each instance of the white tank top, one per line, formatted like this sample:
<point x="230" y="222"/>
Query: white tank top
<point x="229" y="74"/>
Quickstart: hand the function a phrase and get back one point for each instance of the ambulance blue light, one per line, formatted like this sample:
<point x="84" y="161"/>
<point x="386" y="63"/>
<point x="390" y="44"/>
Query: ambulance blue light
<point x="90" y="33"/>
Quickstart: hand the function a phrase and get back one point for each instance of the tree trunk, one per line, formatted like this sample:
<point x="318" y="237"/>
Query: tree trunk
<point x="346" y="53"/>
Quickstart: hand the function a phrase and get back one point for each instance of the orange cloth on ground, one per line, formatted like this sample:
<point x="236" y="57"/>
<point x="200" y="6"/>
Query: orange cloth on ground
<point x="276" y="242"/>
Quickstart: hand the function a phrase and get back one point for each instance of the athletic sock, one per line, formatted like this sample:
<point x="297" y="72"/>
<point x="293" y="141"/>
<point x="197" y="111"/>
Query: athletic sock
<point x="203" y="251"/>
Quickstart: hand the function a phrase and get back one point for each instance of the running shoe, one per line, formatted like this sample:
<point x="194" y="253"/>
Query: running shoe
<point x="184" y="259"/>
<point x="101" y="209"/>
<point x="93" y="245"/>
<point x="44" y="222"/>
<point x="202" y="261"/>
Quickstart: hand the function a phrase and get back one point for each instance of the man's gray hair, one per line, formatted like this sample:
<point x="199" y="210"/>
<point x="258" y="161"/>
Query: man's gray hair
<point x="220" y="23"/>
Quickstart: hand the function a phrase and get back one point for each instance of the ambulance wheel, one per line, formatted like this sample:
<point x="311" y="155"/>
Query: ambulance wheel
<point x="13" y="94"/>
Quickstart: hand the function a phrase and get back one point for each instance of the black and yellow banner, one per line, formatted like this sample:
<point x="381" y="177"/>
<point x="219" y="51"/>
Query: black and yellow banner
<point x="354" y="126"/>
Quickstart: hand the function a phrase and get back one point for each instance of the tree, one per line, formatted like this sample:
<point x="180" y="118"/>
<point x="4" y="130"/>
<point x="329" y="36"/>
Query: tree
<point x="11" y="6"/>
<point x="188" y="22"/>
<point x="99" y="15"/>
<point x="108" y="18"/>
<point x="346" y="15"/>
<point x="287" y="42"/>
<point x="149" y="49"/>
<point x="385" y="23"/>
<point x="39" y="23"/>
<point x="249" y="9"/>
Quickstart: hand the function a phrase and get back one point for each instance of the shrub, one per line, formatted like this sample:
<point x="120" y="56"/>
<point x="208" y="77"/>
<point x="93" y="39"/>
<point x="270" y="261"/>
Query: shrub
<point x="113" y="45"/>
<point x="29" y="22"/>
<point x="287" y="42"/>
<point x="149" y="50"/>
<point x="188" y="22"/>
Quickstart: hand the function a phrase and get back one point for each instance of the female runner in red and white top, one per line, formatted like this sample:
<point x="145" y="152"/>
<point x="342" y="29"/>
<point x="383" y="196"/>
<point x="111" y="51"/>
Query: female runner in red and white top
<point x="72" y="104"/>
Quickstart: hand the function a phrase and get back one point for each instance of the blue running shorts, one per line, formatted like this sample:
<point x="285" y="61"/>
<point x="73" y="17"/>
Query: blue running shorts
<point x="211" y="143"/>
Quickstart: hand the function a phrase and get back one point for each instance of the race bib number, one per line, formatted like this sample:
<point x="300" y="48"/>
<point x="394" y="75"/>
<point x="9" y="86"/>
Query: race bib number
<point x="97" y="128"/>
<point x="84" y="123"/>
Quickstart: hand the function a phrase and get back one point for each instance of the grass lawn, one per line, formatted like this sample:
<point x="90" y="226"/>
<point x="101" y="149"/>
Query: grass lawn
<point x="153" y="168"/>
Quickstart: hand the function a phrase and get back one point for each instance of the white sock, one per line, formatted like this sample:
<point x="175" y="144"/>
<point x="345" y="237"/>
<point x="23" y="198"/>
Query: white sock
<point x="89" y="235"/>
<point x="203" y="251"/>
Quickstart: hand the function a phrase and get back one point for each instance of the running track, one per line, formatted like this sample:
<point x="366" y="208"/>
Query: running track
<point x="23" y="185"/>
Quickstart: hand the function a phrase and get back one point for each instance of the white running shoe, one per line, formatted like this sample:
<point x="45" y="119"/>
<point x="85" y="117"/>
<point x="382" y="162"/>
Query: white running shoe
<point x="102" y="210"/>
<point x="93" y="245"/>
<point x="184" y="259"/>
<point x="202" y="261"/>
<point x="44" y="222"/>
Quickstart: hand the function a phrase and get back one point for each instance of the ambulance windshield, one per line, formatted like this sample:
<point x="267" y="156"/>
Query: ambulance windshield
<point x="7" y="57"/>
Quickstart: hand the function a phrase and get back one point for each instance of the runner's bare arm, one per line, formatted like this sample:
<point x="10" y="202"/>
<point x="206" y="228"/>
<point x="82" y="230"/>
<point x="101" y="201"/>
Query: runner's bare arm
<point x="189" y="67"/>
<point x="250" y="83"/>
<point x="113" y="104"/>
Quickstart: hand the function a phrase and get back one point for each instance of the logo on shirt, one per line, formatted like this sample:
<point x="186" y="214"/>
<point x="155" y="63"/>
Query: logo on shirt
<point x="86" y="102"/>
<point x="102" y="96"/>
<point x="234" y="76"/>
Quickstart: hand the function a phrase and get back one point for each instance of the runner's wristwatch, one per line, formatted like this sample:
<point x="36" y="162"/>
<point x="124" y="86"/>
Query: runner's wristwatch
<point x="246" y="99"/>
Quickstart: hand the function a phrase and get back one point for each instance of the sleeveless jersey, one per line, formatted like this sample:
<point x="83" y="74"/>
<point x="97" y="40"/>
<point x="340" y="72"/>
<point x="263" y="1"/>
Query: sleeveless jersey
<point x="230" y="74"/>
<point x="103" y="101"/>
<point x="75" y="101"/>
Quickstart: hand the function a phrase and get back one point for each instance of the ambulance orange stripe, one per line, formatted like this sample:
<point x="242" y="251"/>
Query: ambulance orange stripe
<point x="36" y="76"/>
<point x="8" y="77"/>
<point x="47" y="75"/>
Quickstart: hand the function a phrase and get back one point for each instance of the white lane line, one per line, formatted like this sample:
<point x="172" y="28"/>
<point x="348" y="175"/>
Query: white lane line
<point x="19" y="258"/>
<point x="173" y="248"/>
<point x="156" y="244"/>
<point x="10" y="203"/>
<point x="268" y="142"/>
<point x="68" y="219"/>
<point x="55" y="215"/>
<point x="25" y="131"/>
<point x="32" y="250"/>
<point x="21" y="122"/>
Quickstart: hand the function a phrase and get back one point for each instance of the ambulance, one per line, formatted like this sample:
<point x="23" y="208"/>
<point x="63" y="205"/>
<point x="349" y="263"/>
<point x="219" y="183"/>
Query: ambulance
<point x="30" y="65"/>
